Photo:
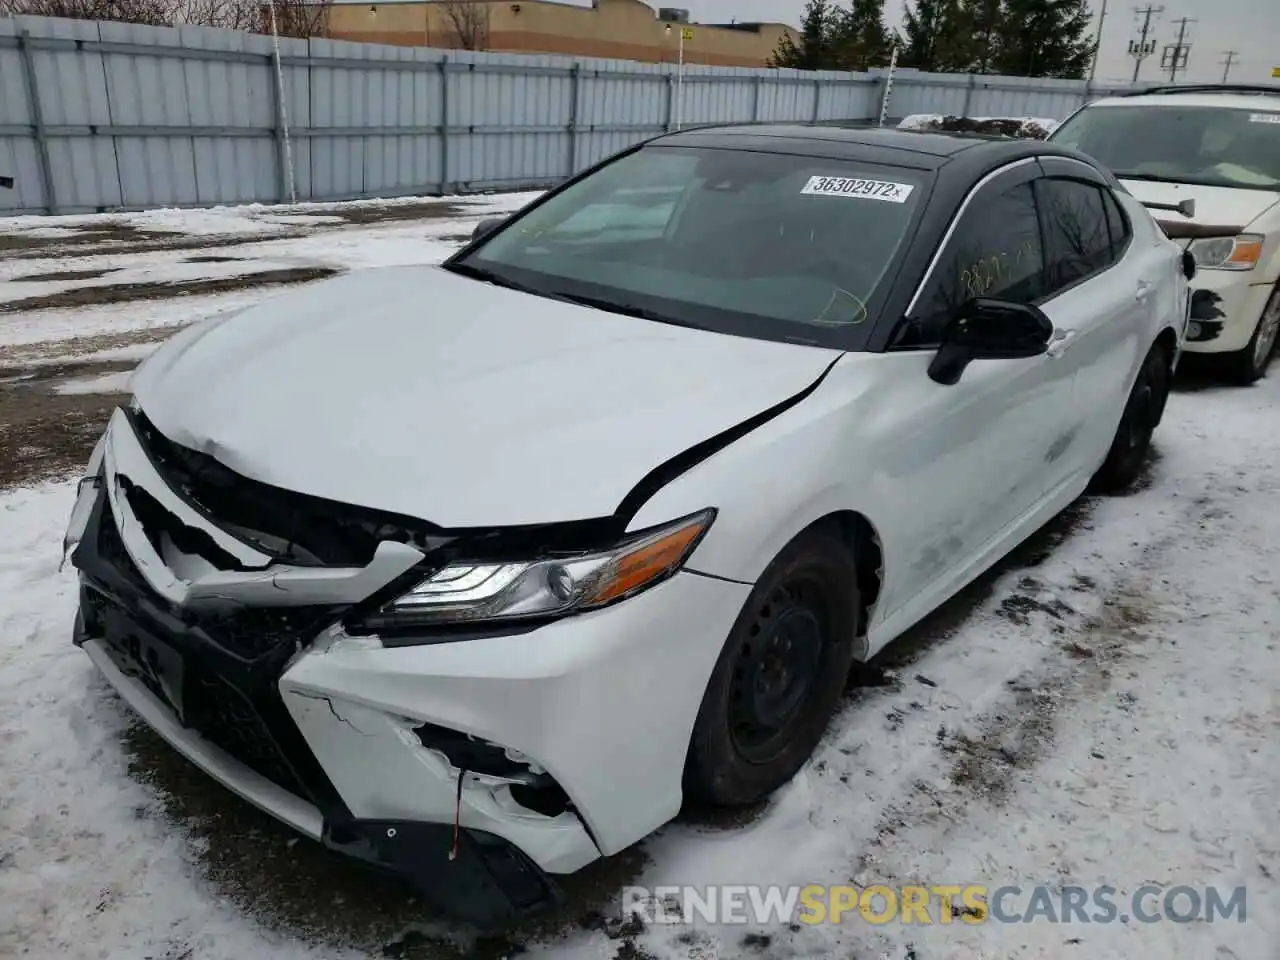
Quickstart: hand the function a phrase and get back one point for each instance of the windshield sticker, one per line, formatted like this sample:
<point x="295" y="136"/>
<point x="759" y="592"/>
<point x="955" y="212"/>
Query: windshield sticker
<point x="1264" y="118"/>
<point x="859" y="188"/>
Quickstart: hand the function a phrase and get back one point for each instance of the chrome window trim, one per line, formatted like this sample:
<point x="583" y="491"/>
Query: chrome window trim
<point x="955" y="223"/>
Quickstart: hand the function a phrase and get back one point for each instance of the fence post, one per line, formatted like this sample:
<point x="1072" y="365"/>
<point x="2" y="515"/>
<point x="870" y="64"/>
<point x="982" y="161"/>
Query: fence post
<point x="755" y="99"/>
<point x="37" y="121"/>
<point x="1088" y="92"/>
<point x="444" y="125"/>
<point x="968" y="94"/>
<point x="671" y="102"/>
<point x="817" y="100"/>
<point x="575" y="79"/>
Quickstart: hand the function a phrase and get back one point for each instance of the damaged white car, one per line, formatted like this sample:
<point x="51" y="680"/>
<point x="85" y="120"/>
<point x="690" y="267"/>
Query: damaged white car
<point x="478" y="571"/>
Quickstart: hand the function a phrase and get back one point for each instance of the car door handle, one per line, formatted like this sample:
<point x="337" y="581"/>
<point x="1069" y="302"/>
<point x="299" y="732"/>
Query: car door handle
<point x="1060" y="342"/>
<point x="1144" y="289"/>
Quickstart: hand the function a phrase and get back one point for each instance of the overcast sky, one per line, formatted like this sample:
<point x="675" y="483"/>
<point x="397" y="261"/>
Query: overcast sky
<point x="1250" y="27"/>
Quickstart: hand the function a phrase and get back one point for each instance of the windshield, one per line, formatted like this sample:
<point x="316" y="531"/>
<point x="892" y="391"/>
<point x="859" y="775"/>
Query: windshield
<point x="756" y="244"/>
<point x="1212" y="146"/>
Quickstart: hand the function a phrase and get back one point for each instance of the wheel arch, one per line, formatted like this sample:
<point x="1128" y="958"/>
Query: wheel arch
<point x="856" y="531"/>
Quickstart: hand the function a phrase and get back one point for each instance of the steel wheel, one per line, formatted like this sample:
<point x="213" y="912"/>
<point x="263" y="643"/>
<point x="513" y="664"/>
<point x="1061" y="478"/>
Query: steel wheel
<point x="779" y="676"/>
<point x="1137" y="424"/>
<point x="776" y="669"/>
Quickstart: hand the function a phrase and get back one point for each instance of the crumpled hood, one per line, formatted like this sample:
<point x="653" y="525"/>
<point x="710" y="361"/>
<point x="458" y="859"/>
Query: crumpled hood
<point x="1215" y="206"/>
<point x="417" y="391"/>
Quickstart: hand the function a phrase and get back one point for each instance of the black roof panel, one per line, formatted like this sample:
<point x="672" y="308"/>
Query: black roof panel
<point x="862" y="140"/>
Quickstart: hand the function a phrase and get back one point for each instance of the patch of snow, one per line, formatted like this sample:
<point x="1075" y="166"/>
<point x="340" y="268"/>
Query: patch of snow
<point x="920" y="121"/>
<point x="41" y="326"/>
<point x="135" y="351"/>
<point x="105" y="383"/>
<point x="251" y="218"/>
<point x="930" y="121"/>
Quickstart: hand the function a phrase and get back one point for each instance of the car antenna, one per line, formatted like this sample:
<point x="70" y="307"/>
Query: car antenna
<point x="1187" y="207"/>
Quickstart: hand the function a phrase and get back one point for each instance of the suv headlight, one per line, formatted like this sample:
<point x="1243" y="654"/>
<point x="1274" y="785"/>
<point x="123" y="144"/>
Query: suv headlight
<point x="1228" y="253"/>
<point x="471" y="592"/>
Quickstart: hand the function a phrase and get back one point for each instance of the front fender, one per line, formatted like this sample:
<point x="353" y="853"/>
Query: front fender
<point x="777" y="480"/>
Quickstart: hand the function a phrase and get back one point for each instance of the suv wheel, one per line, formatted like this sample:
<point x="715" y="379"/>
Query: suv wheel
<point x="1250" y="364"/>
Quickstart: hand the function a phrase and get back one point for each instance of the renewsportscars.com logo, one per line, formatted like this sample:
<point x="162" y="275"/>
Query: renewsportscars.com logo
<point x="937" y="904"/>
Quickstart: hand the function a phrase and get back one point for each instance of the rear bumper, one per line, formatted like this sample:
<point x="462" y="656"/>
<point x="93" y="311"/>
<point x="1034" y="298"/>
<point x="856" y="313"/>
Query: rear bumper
<point x="1225" y="310"/>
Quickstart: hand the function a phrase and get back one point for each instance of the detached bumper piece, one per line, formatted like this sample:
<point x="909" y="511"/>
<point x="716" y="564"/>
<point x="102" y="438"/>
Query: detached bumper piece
<point x="218" y="673"/>
<point x="489" y="882"/>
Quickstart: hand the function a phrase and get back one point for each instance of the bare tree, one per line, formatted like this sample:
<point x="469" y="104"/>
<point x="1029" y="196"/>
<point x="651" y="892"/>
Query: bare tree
<point x="226" y="14"/>
<point x="294" y="18"/>
<point x="299" y="18"/>
<point x="156" y="13"/>
<point x="470" y="21"/>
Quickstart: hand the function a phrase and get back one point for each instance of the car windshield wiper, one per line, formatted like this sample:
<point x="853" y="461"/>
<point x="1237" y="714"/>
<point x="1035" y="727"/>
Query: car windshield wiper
<point x="1152" y="178"/>
<point x="626" y="309"/>
<point x="497" y="279"/>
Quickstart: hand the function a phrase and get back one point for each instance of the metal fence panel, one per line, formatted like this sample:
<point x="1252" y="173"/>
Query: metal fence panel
<point x="101" y="116"/>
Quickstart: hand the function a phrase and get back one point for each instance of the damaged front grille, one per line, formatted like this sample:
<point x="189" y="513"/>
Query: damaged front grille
<point x="228" y="720"/>
<point x="232" y="659"/>
<point x="290" y="526"/>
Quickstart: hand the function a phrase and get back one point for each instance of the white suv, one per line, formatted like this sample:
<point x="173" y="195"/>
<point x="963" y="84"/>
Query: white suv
<point x="1218" y="146"/>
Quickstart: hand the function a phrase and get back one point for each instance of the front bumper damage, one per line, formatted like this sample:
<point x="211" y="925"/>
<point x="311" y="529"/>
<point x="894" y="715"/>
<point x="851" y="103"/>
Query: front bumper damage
<point x="1225" y="309"/>
<point x="475" y="766"/>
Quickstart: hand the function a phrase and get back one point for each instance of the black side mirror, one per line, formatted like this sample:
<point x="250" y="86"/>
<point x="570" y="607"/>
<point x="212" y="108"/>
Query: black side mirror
<point x="486" y="227"/>
<point x="987" y="329"/>
<point x="1188" y="265"/>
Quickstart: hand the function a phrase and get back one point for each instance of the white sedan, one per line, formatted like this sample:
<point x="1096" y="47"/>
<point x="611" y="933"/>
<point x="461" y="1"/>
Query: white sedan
<point x="479" y="571"/>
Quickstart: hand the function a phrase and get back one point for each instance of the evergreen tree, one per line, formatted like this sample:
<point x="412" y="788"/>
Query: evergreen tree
<point x="1043" y="38"/>
<point x="813" y="52"/>
<point x="939" y="36"/>
<point x="862" y="39"/>
<point x="980" y="24"/>
<point x="835" y="38"/>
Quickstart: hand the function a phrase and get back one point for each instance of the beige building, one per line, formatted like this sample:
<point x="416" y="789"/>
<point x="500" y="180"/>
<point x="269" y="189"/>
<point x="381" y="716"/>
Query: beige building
<point x="621" y="29"/>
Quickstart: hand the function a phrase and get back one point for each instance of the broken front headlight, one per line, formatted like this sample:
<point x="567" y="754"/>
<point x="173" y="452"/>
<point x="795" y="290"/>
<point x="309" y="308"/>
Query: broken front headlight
<point x="469" y="592"/>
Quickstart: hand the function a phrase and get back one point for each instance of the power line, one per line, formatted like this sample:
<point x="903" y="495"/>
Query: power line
<point x="1176" y="55"/>
<point x="1143" y="47"/>
<point x="1228" y="61"/>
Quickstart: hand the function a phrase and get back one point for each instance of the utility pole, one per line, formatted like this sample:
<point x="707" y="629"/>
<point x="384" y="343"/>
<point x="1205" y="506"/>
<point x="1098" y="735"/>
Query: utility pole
<point x="1097" y="43"/>
<point x="1145" y="45"/>
<point x="1228" y="61"/>
<point x="1176" y="56"/>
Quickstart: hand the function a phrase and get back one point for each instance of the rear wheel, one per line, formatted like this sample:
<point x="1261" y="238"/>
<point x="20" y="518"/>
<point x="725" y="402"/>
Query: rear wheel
<point x="779" y="677"/>
<point x="1250" y="364"/>
<point x="1141" y="414"/>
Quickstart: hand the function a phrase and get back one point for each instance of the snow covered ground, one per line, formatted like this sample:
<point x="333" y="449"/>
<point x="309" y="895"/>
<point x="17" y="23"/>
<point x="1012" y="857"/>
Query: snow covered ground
<point x="1104" y="709"/>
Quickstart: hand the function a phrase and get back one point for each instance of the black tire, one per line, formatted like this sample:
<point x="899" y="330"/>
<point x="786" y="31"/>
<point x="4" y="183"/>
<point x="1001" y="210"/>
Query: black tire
<point x="1250" y="364"/>
<point x="779" y="677"/>
<point x="1141" y="414"/>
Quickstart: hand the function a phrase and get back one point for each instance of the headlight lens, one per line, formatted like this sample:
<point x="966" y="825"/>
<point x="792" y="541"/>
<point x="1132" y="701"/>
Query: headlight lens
<point x="1228" y="253"/>
<point x="463" y="593"/>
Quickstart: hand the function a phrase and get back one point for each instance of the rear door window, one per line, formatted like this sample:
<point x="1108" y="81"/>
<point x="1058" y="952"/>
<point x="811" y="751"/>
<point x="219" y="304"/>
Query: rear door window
<point x="1077" y="233"/>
